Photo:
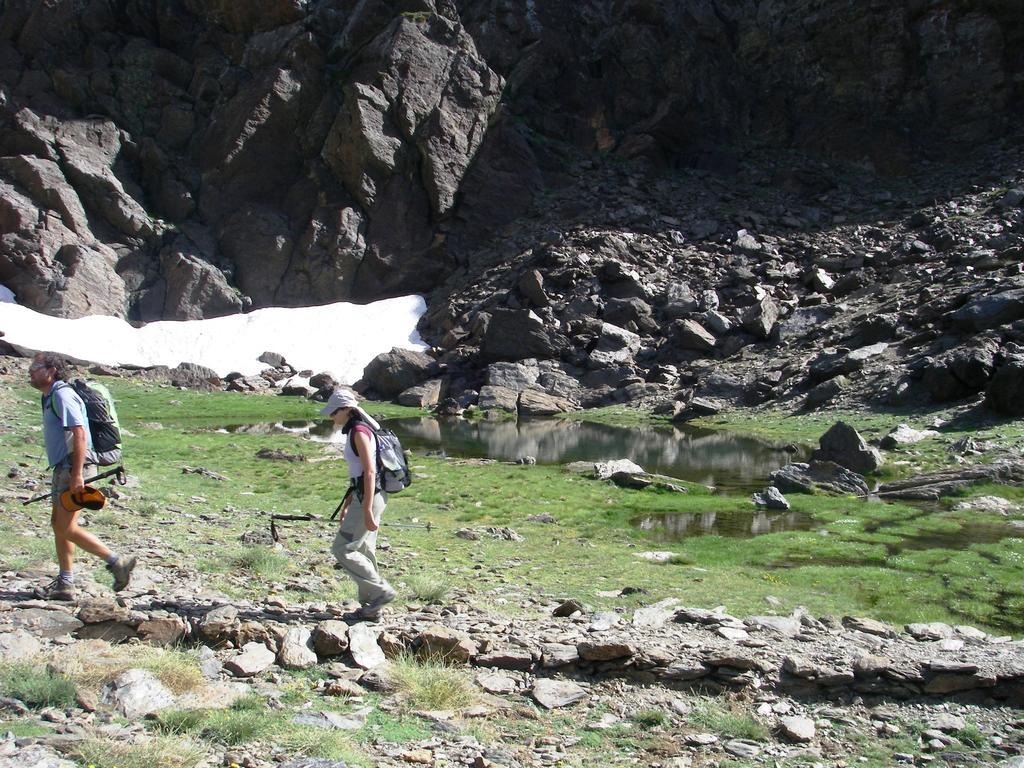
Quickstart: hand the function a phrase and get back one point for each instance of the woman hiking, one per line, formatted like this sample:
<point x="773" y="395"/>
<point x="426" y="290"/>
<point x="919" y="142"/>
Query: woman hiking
<point x="355" y="544"/>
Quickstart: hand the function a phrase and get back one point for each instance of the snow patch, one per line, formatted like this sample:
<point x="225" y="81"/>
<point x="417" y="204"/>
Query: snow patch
<point x="337" y="338"/>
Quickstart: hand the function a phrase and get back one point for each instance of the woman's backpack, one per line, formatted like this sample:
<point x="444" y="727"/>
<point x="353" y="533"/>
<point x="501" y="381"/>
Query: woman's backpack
<point x="392" y="465"/>
<point x="393" y="473"/>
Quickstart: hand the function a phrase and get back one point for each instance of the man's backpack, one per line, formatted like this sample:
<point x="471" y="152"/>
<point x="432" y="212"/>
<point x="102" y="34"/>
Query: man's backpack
<point x="103" y="424"/>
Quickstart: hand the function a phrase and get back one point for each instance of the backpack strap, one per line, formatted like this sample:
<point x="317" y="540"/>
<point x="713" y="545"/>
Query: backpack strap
<point x="53" y="405"/>
<point x="366" y="429"/>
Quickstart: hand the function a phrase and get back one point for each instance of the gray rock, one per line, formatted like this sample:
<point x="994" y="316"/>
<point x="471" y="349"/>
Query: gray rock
<point x="797" y="729"/>
<point x="366" y="653"/>
<point x="254" y="658"/>
<point x="818" y="475"/>
<point x="391" y="373"/>
<point x="296" y="651"/>
<point x="742" y="748"/>
<point x="43" y="622"/>
<point x="35" y="756"/>
<point x="334" y="721"/>
<point x="554" y="694"/>
<point x="760" y="319"/>
<point x="1005" y="392"/>
<point x="772" y="498"/>
<point x="514" y="376"/>
<point x="18" y="645"/>
<point x="655" y="615"/>
<point x="689" y="334"/>
<point x="538" y="404"/>
<point x="513" y="335"/>
<point x="136" y="693"/>
<point x="425" y="395"/>
<point x="615" y="346"/>
<point x="903" y="434"/>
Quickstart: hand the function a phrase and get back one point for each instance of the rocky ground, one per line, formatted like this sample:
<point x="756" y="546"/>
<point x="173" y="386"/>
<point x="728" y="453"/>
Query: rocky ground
<point x="676" y="686"/>
<point x="818" y="686"/>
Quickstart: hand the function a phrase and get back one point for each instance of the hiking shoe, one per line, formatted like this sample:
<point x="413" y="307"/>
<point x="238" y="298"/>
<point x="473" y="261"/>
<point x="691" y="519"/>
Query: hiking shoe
<point x="58" y="589"/>
<point x="122" y="571"/>
<point x="371" y="610"/>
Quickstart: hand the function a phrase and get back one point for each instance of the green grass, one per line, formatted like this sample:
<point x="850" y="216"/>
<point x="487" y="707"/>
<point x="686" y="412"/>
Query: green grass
<point x="851" y="562"/>
<point x="650" y="718"/>
<point x="156" y="752"/>
<point x="720" y="718"/>
<point x="972" y="736"/>
<point x="427" y="684"/>
<point x="428" y="588"/>
<point x="263" y="563"/>
<point x="24" y="728"/>
<point x="36" y="686"/>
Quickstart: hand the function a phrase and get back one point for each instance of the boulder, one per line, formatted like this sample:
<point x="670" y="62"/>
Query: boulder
<point x="533" y="403"/>
<point x="843" y="445"/>
<point x="554" y="694"/>
<point x="689" y="334"/>
<point x="296" y="651"/>
<point x="515" y="376"/>
<point x="253" y="659"/>
<point x="445" y="643"/>
<point x="391" y="373"/>
<point x="760" y="319"/>
<point x="818" y="475"/>
<point x="1005" y="392"/>
<point x="989" y="311"/>
<point x="425" y="395"/>
<point x="516" y="334"/>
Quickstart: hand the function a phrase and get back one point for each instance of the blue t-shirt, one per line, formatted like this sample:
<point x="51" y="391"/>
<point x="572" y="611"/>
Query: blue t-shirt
<point x="63" y="408"/>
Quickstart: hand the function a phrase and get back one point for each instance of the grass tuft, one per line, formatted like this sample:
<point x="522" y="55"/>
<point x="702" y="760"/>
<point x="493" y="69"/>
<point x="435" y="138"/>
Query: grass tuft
<point x="428" y="588"/>
<point x="650" y="718"/>
<point x="263" y="563"/>
<point x="146" y="752"/>
<point x="430" y="684"/>
<point x="91" y="664"/>
<point x="719" y="718"/>
<point x="36" y="686"/>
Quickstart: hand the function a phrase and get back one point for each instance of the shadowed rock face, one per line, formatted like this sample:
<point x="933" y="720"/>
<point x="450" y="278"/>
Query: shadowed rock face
<point x="180" y="159"/>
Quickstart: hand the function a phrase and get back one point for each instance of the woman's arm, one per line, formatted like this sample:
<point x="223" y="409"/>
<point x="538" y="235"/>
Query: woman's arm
<point x="362" y="448"/>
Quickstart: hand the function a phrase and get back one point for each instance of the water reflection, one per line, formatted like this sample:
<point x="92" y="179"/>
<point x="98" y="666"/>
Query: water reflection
<point x="732" y="524"/>
<point x="717" y="459"/>
<point x="703" y="456"/>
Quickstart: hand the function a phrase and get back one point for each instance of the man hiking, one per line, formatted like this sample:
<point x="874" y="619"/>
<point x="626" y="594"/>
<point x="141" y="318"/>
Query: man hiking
<point x="69" y="454"/>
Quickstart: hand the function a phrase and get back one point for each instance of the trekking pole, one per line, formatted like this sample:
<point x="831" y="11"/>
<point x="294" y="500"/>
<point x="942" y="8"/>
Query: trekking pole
<point x="118" y="470"/>
<point x="273" y="527"/>
<point x="427" y="526"/>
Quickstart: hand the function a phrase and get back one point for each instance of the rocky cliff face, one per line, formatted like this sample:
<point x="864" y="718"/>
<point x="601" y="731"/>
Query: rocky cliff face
<point x="179" y="159"/>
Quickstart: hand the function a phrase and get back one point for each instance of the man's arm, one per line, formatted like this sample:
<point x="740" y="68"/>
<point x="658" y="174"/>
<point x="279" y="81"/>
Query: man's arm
<point x="77" y="457"/>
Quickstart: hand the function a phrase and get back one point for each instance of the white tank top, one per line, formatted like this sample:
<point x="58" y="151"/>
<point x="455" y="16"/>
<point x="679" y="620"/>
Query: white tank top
<point x="355" y="464"/>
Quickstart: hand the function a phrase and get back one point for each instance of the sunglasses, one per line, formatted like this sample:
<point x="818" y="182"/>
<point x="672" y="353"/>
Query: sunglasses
<point x="38" y="366"/>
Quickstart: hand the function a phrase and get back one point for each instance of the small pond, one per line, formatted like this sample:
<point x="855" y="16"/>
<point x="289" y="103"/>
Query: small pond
<point x="724" y="461"/>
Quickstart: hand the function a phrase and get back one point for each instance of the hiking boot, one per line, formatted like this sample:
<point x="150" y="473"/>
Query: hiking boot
<point x="58" y="589"/>
<point x="371" y="610"/>
<point x="122" y="571"/>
